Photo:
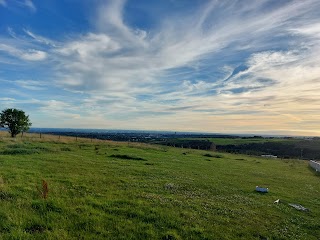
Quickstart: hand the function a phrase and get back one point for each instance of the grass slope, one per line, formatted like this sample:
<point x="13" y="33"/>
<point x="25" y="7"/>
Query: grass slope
<point x="106" y="190"/>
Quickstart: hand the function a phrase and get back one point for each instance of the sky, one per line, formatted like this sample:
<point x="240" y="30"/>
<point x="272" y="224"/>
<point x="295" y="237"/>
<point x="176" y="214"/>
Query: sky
<point x="182" y="65"/>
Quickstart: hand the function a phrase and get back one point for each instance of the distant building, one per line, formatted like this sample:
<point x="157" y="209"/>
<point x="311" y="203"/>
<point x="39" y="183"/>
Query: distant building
<point x="269" y="156"/>
<point x="315" y="165"/>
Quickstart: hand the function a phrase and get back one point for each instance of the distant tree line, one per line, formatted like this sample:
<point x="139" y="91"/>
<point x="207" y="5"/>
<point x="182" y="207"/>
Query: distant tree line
<point x="282" y="150"/>
<point x="194" y="144"/>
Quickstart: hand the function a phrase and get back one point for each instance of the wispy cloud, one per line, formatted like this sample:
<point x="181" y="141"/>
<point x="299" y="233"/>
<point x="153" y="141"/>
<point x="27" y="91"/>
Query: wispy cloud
<point x="31" y="85"/>
<point x="11" y="4"/>
<point x="29" y="54"/>
<point x="37" y="38"/>
<point x="29" y="4"/>
<point x="231" y="64"/>
<point x="122" y="55"/>
<point x="3" y="3"/>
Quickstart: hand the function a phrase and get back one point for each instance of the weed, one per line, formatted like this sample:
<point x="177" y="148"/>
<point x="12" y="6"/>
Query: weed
<point x="44" y="190"/>
<point x="1" y="182"/>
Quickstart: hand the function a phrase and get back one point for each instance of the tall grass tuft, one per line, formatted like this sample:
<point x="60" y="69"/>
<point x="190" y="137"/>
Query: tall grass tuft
<point x="45" y="190"/>
<point x="1" y="182"/>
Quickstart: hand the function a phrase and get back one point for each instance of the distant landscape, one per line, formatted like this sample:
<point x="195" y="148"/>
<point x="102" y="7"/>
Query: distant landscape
<point x="280" y="146"/>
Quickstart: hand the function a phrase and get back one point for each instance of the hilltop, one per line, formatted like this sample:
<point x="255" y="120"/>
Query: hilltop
<point x="110" y="190"/>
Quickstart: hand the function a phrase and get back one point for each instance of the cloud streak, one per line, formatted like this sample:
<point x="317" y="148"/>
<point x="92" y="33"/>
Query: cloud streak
<point x="29" y="4"/>
<point x="227" y="67"/>
<point x="29" y="55"/>
<point x="3" y="3"/>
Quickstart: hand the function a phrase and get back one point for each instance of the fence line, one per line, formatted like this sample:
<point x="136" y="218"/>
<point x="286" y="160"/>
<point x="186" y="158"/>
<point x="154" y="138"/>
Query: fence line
<point x="315" y="165"/>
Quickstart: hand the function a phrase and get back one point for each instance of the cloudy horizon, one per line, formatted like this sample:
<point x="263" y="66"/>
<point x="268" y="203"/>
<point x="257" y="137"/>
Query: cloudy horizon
<point x="205" y="66"/>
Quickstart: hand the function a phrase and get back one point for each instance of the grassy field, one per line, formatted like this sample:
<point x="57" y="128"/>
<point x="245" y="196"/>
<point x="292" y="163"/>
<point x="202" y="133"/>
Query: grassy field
<point x="109" y="190"/>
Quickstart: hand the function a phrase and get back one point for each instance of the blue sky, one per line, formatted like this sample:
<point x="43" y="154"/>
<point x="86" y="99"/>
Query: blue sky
<point x="211" y="66"/>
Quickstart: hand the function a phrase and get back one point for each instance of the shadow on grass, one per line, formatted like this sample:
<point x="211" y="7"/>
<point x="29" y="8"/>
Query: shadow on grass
<point x="5" y="196"/>
<point x="213" y="156"/>
<point x="65" y="149"/>
<point x="24" y="149"/>
<point x="20" y="151"/>
<point x="35" y="228"/>
<point x="127" y="157"/>
<point x="43" y="206"/>
<point x="5" y="224"/>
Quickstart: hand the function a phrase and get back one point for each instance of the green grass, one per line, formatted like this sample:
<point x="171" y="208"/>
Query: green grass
<point x="102" y="190"/>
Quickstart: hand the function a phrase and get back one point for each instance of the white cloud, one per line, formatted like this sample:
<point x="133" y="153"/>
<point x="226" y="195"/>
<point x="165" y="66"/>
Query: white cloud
<point x="90" y="46"/>
<point x="3" y="3"/>
<point x="124" y="55"/>
<point x="31" y="85"/>
<point x="312" y="30"/>
<point x="29" y="4"/>
<point x="55" y="105"/>
<point x="7" y="99"/>
<point x="33" y="55"/>
<point x="29" y="54"/>
<point x="37" y="38"/>
<point x="150" y="75"/>
<point x="21" y="3"/>
<point x="272" y="59"/>
<point x="143" y="60"/>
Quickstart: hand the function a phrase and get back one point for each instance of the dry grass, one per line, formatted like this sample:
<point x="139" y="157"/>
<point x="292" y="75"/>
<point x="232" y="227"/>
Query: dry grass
<point x="37" y="137"/>
<point x="45" y="189"/>
<point x="1" y="182"/>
